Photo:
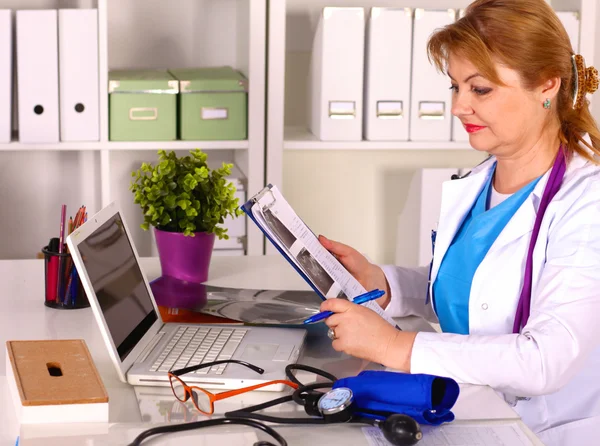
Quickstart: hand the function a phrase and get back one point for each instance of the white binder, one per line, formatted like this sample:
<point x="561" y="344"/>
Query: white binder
<point x="37" y="75"/>
<point x="78" y="74"/>
<point x="570" y="20"/>
<point x="430" y="118"/>
<point x="5" y="75"/>
<point x="236" y="227"/>
<point x="336" y="75"/>
<point x="387" y="79"/>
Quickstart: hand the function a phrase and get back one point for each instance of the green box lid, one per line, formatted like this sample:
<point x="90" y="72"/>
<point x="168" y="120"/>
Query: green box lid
<point x="142" y="81"/>
<point x="210" y="79"/>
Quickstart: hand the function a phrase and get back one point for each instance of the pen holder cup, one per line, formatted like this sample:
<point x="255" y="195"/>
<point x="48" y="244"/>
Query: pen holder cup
<point x="63" y="287"/>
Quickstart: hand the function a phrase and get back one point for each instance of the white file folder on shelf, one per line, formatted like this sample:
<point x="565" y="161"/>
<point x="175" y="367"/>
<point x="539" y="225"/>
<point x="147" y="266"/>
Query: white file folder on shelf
<point x="236" y="227"/>
<point x="431" y="95"/>
<point x="37" y="75"/>
<point x="78" y="73"/>
<point x="387" y="79"/>
<point x="5" y="75"/>
<point x="570" y="20"/>
<point x="335" y="86"/>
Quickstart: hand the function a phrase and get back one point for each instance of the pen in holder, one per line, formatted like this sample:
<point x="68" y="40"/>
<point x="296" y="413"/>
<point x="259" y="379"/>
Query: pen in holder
<point x="63" y="286"/>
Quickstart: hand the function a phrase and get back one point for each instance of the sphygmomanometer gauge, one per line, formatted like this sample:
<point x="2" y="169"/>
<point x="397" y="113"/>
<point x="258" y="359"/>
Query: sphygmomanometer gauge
<point x="337" y="405"/>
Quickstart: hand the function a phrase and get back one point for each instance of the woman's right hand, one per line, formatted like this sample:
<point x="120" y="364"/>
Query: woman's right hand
<point x="370" y="276"/>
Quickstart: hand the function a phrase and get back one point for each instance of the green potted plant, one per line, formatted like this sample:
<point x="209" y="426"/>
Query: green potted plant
<point x="185" y="201"/>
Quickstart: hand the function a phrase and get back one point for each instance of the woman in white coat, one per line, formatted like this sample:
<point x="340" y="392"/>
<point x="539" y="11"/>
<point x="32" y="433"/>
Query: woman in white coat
<point x="515" y="276"/>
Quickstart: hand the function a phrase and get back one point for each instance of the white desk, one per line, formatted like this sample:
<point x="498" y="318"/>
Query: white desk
<point x="24" y="316"/>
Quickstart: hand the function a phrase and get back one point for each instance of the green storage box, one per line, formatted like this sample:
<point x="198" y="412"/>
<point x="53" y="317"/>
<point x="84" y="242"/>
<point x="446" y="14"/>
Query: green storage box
<point x="142" y="105"/>
<point x="213" y="104"/>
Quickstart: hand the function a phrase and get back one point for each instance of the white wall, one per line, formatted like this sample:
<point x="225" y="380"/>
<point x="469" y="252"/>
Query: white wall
<point x="356" y="196"/>
<point x="180" y="34"/>
<point x="33" y="186"/>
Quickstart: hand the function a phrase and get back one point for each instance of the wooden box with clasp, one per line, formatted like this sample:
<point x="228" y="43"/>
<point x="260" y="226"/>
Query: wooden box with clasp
<point x="55" y="381"/>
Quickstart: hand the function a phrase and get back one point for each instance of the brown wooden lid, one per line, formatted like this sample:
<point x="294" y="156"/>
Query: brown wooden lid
<point x="35" y="362"/>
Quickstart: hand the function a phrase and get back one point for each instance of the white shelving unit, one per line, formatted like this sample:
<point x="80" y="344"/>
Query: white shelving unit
<point x="127" y="145"/>
<point x="292" y="25"/>
<point x="325" y="181"/>
<point x="35" y="179"/>
<point x="354" y="191"/>
<point x="301" y="138"/>
<point x="291" y="28"/>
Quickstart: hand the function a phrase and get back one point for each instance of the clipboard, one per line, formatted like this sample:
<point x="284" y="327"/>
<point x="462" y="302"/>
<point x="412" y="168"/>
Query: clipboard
<point x="299" y="245"/>
<point x="247" y="208"/>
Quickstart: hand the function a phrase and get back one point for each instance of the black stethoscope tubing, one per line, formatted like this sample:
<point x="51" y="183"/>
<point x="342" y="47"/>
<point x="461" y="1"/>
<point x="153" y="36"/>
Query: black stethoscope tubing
<point x="297" y="397"/>
<point x="208" y="423"/>
<point x="248" y="417"/>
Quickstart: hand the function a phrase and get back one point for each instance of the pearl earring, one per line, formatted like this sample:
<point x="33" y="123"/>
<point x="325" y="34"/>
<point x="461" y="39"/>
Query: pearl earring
<point x="547" y="104"/>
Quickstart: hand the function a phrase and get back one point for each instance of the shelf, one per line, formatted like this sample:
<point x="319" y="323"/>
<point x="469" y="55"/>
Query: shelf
<point x="299" y="138"/>
<point x="128" y="145"/>
<point x="174" y="145"/>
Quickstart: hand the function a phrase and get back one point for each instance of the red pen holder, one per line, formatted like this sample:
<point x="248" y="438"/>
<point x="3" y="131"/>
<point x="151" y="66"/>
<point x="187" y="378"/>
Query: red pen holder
<point x="63" y="287"/>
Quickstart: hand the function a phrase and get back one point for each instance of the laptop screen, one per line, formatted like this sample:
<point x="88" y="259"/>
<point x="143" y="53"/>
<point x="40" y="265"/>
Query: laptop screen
<point x="118" y="283"/>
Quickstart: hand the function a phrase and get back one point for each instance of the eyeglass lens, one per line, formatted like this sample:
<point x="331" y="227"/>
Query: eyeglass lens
<point x="201" y="400"/>
<point x="178" y="388"/>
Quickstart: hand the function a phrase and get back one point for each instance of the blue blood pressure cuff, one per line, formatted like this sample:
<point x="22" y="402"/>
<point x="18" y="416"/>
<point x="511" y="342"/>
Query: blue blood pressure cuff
<point x="426" y="398"/>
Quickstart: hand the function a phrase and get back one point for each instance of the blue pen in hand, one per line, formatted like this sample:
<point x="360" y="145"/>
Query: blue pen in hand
<point x="367" y="297"/>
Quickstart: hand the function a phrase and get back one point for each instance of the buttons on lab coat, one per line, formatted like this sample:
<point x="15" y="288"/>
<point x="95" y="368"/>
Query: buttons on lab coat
<point x="484" y="306"/>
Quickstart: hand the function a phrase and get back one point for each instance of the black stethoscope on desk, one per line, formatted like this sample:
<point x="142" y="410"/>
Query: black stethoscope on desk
<point x="333" y="406"/>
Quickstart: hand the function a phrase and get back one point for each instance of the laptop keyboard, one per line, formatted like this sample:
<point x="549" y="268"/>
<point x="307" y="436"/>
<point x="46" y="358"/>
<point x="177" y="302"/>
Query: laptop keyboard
<point x="199" y="345"/>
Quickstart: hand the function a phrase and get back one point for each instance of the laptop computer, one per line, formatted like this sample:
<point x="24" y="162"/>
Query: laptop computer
<point x="142" y="347"/>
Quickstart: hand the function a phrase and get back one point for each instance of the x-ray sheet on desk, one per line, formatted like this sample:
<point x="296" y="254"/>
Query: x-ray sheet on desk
<point x="244" y="305"/>
<point x="479" y="434"/>
<point x="262" y="306"/>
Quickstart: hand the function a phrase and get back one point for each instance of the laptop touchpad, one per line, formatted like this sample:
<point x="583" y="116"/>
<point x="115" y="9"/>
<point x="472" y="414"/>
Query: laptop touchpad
<point x="259" y="352"/>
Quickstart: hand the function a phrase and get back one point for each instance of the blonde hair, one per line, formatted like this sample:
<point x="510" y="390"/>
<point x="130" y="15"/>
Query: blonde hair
<point x="528" y="37"/>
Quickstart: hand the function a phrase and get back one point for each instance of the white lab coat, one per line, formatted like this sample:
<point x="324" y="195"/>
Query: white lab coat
<point x="556" y="358"/>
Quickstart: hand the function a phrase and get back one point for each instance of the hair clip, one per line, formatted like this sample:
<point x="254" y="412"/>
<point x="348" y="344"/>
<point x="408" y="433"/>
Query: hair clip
<point x="585" y="80"/>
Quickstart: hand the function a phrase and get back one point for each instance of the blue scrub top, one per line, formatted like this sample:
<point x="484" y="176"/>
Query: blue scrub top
<point x="479" y="230"/>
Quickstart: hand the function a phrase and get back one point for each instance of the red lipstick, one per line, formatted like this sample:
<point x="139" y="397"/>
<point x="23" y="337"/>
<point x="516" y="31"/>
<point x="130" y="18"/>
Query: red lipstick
<point x="470" y="128"/>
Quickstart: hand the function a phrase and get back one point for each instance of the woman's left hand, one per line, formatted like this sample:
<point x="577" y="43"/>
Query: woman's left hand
<point x="361" y="332"/>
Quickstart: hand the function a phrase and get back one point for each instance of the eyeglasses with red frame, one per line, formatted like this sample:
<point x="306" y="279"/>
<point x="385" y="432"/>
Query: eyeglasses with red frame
<point x="204" y="400"/>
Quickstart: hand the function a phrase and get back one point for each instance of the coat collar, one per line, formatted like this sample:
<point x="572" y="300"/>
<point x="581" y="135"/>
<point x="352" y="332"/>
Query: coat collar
<point x="458" y="197"/>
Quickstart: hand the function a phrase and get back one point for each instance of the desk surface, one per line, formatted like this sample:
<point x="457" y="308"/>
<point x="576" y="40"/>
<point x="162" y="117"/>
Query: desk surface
<point x="131" y="410"/>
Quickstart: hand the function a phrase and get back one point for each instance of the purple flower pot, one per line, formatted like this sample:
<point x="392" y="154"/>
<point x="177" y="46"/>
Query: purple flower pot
<point x="174" y="293"/>
<point x="185" y="258"/>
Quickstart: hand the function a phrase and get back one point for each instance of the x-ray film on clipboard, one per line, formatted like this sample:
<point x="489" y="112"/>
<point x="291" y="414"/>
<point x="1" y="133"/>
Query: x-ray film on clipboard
<point x="279" y="221"/>
<point x="274" y="217"/>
